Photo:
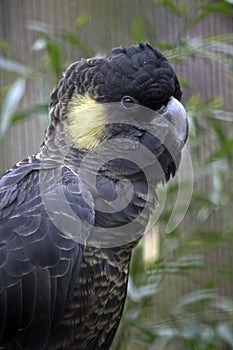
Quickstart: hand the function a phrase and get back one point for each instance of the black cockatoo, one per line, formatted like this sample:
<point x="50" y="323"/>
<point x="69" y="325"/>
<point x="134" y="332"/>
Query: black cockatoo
<point x="71" y="214"/>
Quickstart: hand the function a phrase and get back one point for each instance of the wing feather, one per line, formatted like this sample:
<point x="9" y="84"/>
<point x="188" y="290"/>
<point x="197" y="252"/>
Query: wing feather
<point x="39" y="258"/>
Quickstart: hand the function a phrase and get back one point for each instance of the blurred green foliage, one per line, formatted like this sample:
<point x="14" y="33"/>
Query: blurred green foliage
<point x="202" y="317"/>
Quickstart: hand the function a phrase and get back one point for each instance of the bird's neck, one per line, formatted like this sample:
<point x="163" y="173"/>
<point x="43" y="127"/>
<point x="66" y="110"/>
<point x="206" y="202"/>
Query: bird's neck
<point x="56" y="148"/>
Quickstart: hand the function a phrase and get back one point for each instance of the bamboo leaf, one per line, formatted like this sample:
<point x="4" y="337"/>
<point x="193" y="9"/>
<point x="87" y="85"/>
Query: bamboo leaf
<point x="138" y="30"/>
<point x="197" y="296"/>
<point x="171" y="6"/>
<point x="75" y="41"/>
<point x="223" y="7"/>
<point x="225" y="150"/>
<point x="11" y="103"/>
<point x="13" y="66"/>
<point x="40" y="27"/>
<point x="55" y="58"/>
<point x="28" y="113"/>
<point x="81" y="21"/>
<point x="225" y="332"/>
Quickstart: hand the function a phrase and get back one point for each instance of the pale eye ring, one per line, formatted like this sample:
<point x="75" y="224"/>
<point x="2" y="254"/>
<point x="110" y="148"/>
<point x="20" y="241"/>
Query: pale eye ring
<point x="127" y="102"/>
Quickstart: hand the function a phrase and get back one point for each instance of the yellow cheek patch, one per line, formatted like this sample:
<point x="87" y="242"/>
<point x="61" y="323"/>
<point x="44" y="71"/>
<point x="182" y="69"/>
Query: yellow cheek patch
<point x="86" y="119"/>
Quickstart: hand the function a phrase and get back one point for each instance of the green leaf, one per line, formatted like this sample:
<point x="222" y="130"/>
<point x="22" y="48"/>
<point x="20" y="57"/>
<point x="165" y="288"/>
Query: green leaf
<point x="138" y="30"/>
<point x="222" y="7"/>
<point x="181" y="265"/>
<point x="226" y="150"/>
<point x="196" y="297"/>
<point x="40" y="27"/>
<point x="136" y="294"/>
<point x="225" y="332"/>
<point x="13" y="66"/>
<point x="219" y="131"/>
<point x="170" y="6"/>
<point x="163" y="45"/>
<point x="75" y="41"/>
<point x="29" y="112"/>
<point x="55" y="58"/>
<point x="11" y="103"/>
<point x="6" y="48"/>
<point x="81" y="21"/>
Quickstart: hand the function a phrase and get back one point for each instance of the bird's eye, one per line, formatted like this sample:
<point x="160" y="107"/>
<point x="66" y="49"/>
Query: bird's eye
<point x="127" y="102"/>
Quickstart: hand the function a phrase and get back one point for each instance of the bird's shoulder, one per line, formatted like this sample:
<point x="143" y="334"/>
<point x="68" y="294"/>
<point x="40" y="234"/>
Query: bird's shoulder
<point x="44" y="219"/>
<point x="34" y="182"/>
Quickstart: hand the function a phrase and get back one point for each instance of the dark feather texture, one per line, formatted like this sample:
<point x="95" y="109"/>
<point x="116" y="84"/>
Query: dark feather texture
<point x="64" y="248"/>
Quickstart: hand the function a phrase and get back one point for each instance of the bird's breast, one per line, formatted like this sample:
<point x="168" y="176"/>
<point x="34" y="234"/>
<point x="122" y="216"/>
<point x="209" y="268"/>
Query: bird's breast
<point x="97" y="301"/>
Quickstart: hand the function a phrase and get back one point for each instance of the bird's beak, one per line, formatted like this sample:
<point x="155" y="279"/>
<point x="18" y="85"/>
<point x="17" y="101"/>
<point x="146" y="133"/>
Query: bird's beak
<point x="175" y="113"/>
